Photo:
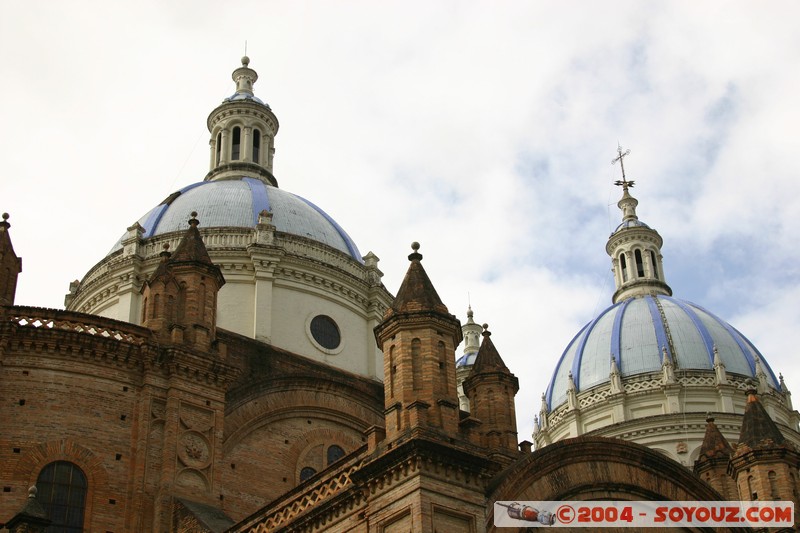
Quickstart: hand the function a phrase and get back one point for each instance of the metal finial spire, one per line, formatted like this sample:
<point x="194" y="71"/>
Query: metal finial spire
<point x="624" y="183"/>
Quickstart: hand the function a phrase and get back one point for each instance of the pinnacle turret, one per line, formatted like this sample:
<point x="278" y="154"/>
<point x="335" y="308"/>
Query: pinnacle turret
<point x="180" y="298"/>
<point x="418" y="337"/>
<point x="491" y="388"/>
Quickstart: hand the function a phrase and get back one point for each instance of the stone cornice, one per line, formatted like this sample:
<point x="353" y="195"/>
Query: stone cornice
<point x="419" y="319"/>
<point x="229" y="109"/>
<point x="745" y="457"/>
<point x="638" y="234"/>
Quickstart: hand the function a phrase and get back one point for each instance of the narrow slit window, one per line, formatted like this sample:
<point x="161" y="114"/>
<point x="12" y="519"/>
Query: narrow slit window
<point x="219" y="146"/>
<point x="236" y="143"/>
<point x="639" y="264"/>
<point x="624" y="265"/>
<point x="256" y="146"/>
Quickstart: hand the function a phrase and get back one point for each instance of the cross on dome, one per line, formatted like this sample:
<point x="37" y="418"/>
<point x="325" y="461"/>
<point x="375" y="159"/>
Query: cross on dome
<point x="624" y="183"/>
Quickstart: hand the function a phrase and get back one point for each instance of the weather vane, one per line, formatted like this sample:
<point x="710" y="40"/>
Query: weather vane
<point x="624" y="183"/>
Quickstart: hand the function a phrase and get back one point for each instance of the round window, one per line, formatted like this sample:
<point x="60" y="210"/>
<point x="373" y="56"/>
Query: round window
<point x="325" y="332"/>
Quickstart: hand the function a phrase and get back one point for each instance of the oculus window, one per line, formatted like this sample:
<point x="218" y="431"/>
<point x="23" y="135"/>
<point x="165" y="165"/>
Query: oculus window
<point x="325" y="332"/>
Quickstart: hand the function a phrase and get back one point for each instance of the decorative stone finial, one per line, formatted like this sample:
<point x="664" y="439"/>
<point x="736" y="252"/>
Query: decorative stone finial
<point x="193" y="221"/>
<point x="4" y="223"/>
<point x="486" y="331"/>
<point x="245" y="61"/>
<point x="32" y="491"/>
<point x="709" y="417"/>
<point x="165" y="252"/>
<point x="415" y="256"/>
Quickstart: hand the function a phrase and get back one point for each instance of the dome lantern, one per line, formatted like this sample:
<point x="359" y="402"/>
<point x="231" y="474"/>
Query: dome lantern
<point x="243" y="130"/>
<point x="635" y="248"/>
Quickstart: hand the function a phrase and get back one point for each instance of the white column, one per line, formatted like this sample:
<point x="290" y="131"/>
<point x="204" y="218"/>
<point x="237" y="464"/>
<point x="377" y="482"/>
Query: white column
<point x="212" y="145"/>
<point x="225" y="153"/>
<point x="246" y="149"/>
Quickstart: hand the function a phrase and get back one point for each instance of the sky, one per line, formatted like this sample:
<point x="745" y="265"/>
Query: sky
<point x="484" y="130"/>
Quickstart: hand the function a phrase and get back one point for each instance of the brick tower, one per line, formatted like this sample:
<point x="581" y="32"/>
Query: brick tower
<point x="764" y="465"/>
<point x="491" y="388"/>
<point x="418" y="337"/>
<point x="10" y="265"/>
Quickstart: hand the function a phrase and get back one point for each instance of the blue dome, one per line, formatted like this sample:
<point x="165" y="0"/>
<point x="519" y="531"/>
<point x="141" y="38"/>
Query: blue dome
<point x="237" y="203"/>
<point x="634" y="332"/>
<point x="468" y="359"/>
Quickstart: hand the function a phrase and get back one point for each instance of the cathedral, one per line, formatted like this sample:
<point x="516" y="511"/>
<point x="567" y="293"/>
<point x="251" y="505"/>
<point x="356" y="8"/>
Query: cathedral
<point x="234" y="363"/>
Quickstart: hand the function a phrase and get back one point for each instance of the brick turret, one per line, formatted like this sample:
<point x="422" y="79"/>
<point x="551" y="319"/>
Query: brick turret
<point x="10" y="265"/>
<point x="712" y="463"/>
<point x="180" y="298"/>
<point x="764" y="465"/>
<point x="418" y="337"/>
<point x="32" y="518"/>
<point x="491" y="388"/>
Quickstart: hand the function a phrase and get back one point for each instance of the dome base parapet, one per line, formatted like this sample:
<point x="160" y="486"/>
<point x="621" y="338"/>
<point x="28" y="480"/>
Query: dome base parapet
<point x="647" y="398"/>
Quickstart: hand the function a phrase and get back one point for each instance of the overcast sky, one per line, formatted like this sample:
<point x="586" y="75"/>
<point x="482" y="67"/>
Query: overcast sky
<point x="483" y="130"/>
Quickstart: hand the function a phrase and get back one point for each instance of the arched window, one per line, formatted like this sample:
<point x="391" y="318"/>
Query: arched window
<point x="639" y="263"/>
<point x="62" y="493"/>
<point x="334" y="454"/>
<point x="256" y="145"/>
<point x="773" y="484"/>
<point x="236" y="143"/>
<point x="654" y="263"/>
<point x="306" y="473"/>
<point x="219" y="146"/>
<point x="623" y="263"/>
